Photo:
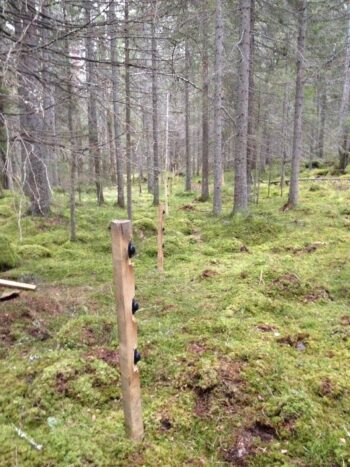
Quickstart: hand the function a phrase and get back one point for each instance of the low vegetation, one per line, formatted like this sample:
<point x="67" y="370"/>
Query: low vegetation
<point x="244" y="337"/>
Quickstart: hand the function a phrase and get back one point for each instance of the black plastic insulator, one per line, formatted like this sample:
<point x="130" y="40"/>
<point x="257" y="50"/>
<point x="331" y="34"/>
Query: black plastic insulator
<point x="131" y="250"/>
<point x="134" y="306"/>
<point x="137" y="357"/>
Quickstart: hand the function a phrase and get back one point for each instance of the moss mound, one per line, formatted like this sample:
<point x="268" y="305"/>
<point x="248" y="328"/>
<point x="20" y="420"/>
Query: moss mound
<point x="8" y="257"/>
<point x="33" y="252"/>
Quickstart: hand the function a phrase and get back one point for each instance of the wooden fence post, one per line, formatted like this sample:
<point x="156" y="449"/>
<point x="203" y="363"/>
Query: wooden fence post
<point x="160" y="238"/>
<point x="124" y="288"/>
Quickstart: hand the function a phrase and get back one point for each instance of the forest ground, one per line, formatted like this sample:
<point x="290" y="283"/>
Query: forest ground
<point x="244" y="337"/>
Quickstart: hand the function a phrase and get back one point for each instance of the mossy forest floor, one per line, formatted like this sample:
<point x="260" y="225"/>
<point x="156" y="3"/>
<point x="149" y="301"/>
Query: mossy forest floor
<point x="245" y="338"/>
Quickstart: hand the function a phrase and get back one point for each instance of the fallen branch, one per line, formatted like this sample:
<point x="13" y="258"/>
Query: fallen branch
<point x="26" y="437"/>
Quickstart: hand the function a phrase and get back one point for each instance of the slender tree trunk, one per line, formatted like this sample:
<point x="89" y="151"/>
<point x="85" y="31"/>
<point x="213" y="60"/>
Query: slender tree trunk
<point x="111" y="147"/>
<point x="94" y="149"/>
<point x="217" y="111"/>
<point x="166" y="155"/>
<point x="188" y="178"/>
<point x="115" y="97"/>
<point x="72" y="136"/>
<point x="128" y="154"/>
<point x="284" y="132"/>
<point x="343" y="150"/>
<point x="205" y="109"/>
<point x="49" y="121"/>
<point x="240" y="188"/>
<point x="155" y="110"/>
<point x="322" y="123"/>
<point x="251" y="150"/>
<point x="298" y="110"/>
<point x="36" y="182"/>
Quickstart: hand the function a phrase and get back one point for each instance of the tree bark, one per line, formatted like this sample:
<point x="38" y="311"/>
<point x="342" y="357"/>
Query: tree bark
<point x="188" y="183"/>
<point x="251" y="149"/>
<point x="128" y="154"/>
<point x="240" y="188"/>
<point x="217" y="204"/>
<point x="116" y="114"/>
<point x="155" y="110"/>
<point x="36" y="182"/>
<point x="298" y="109"/>
<point x="94" y="149"/>
<point x="322" y="122"/>
<point x="205" y="109"/>
<point x="343" y="131"/>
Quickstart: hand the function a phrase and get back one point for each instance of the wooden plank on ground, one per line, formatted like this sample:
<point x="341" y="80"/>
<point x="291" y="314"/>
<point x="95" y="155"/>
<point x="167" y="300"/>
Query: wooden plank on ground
<point x="16" y="285"/>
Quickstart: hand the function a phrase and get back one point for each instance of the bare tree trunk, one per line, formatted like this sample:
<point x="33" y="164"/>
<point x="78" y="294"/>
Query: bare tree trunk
<point x="72" y="136"/>
<point x="111" y="147"/>
<point x="155" y="109"/>
<point x="188" y="186"/>
<point x="128" y="154"/>
<point x="251" y="150"/>
<point x="343" y="150"/>
<point x="205" y="110"/>
<point x="322" y="122"/>
<point x="36" y="182"/>
<point x="298" y="110"/>
<point x="166" y="155"/>
<point x="240" y="188"/>
<point x="115" y="96"/>
<point x="49" y="122"/>
<point x="94" y="148"/>
<point x="284" y="133"/>
<point x="217" y="205"/>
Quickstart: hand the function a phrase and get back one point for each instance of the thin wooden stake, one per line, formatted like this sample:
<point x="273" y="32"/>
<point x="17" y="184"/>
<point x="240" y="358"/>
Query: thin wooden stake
<point x="124" y="288"/>
<point x="160" y="238"/>
<point x="166" y="156"/>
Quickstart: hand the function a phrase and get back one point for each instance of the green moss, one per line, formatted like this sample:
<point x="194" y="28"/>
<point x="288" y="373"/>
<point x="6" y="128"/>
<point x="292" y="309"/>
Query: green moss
<point x="8" y="257"/>
<point x="33" y="252"/>
<point x="262" y="340"/>
<point x="145" y="225"/>
<point x="85" y="331"/>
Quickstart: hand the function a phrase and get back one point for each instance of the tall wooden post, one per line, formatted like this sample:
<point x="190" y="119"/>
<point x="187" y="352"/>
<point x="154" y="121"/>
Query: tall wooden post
<point x="160" y="238"/>
<point x="124" y="288"/>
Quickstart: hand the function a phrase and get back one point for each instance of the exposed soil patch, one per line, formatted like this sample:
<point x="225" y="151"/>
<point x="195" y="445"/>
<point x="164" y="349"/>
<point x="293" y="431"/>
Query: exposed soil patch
<point x="345" y="320"/>
<point x="286" y="281"/>
<point x="245" y="444"/>
<point x="230" y="373"/>
<point x="319" y="293"/>
<point x="25" y="315"/>
<point x="310" y="248"/>
<point x="62" y="382"/>
<point x="299" y="341"/>
<point x="166" y="424"/>
<point x="92" y="338"/>
<point x="287" y="285"/>
<point x="266" y="327"/>
<point x="209" y="273"/>
<point x="197" y="348"/>
<point x="326" y="388"/>
<point x="188" y="207"/>
<point x="263" y="431"/>
<point x="40" y="333"/>
<point x="109" y="356"/>
<point x="242" y="448"/>
<point x="202" y="407"/>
